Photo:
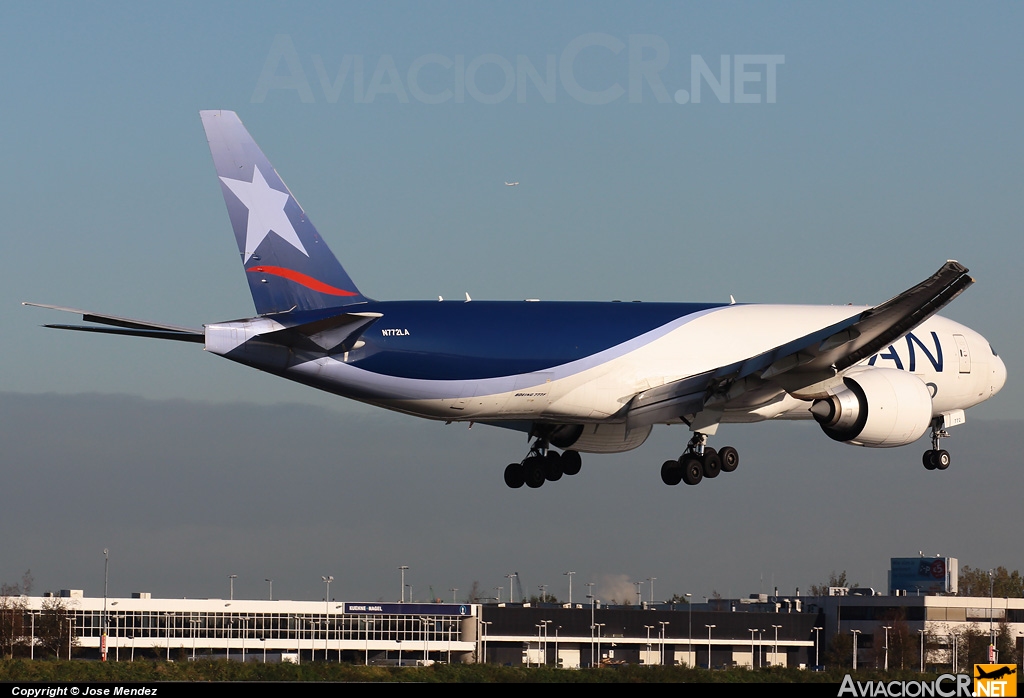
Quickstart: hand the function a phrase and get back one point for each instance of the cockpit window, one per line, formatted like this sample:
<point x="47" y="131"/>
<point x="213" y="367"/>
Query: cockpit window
<point x="993" y="349"/>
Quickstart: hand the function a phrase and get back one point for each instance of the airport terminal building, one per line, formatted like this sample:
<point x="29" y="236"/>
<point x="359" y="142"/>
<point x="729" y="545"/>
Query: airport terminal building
<point x="757" y="632"/>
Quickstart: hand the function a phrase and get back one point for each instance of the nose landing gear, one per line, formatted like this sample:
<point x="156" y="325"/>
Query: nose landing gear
<point x="937" y="458"/>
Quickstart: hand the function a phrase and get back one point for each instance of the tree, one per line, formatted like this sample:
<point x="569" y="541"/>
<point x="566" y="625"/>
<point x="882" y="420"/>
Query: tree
<point x="903" y="645"/>
<point x="54" y="629"/>
<point x="473" y="596"/>
<point x="12" y="619"/>
<point x="974" y="581"/>
<point x="840" y="651"/>
<point x="834" y="580"/>
<point x="678" y="598"/>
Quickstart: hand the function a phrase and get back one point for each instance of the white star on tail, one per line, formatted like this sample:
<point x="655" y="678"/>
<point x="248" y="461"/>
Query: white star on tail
<point x="266" y="212"/>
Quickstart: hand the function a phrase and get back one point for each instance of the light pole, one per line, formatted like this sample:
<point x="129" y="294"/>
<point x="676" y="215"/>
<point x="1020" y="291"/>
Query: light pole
<point x="327" y="613"/>
<point x="270" y="591"/>
<point x="590" y="595"/>
<point x="709" y="627"/>
<point x="817" y="644"/>
<point x="485" y="623"/>
<point x="103" y="640"/>
<point x="231" y="586"/>
<point x="689" y="630"/>
<point x="663" y="623"/>
<point x="651" y="580"/>
<point x="403" y="568"/>
<point x="887" y="628"/>
<point x="599" y="626"/>
<point x="511" y="590"/>
<point x="921" y="632"/>
<point x="569" y="575"/>
<point x="454" y="591"/>
<point x="647" y="660"/>
<point x="775" y="652"/>
<point x="855" y="634"/>
<point x="638" y="598"/>
<point x="752" y="631"/>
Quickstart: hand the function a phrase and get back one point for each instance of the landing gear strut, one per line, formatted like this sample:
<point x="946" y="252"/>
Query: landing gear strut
<point x="699" y="461"/>
<point x="937" y="458"/>
<point x="542" y="465"/>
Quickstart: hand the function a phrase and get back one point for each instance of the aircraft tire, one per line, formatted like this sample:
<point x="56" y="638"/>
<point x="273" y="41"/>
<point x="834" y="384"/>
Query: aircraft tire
<point x="693" y="471"/>
<point x="514" y="475"/>
<point x="671" y="472"/>
<point x="552" y="466"/>
<point x="927" y="459"/>
<point x="571" y="462"/>
<point x="730" y="458"/>
<point x="711" y="463"/>
<point x="941" y="459"/>
<point x="533" y="472"/>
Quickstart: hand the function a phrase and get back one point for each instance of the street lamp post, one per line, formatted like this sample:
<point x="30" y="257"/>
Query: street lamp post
<point x="775" y="651"/>
<point x="709" y="627"/>
<point x="647" y="659"/>
<point x="663" y="623"/>
<point x="887" y="628"/>
<point x="752" y="631"/>
<point x="855" y="634"/>
<point x="569" y="575"/>
<point x="403" y="568"/>
<point x="327" y="614"/>
<point x="270" y="591"/>
<point x="817" y="644"/>
<point x="103" y="640"/>
<point x="689" y="630"/>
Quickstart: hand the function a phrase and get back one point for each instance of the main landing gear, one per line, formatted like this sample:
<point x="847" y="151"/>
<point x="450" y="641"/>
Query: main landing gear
<point x="698" y="462"/>
<point x="937" y="458"/>
<point x="542" y="465"/>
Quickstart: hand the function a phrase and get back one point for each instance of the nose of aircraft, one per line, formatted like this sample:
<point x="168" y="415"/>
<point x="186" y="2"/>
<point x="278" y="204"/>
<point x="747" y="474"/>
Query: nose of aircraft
<point x="998" y="374"/>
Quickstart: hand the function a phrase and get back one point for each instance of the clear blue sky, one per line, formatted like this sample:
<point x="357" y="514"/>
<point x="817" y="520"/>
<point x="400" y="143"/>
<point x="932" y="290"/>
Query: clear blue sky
<point x="893" y="143"/>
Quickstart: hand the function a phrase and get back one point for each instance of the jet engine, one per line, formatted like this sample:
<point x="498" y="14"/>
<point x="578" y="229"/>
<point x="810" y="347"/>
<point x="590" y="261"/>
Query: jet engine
<point x="879" y="408"/>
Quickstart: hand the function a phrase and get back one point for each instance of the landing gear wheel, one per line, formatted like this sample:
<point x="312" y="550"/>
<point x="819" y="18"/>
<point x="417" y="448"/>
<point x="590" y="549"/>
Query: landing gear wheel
<point x="941" y="459"/>
<point x="671" y="472"/>
<point x="533" y="471"/>
<point x="711" y="463"/>
<point x="730" y="458"/>
<point x="571" y="462"/>
<point x="693" y="470"/>
<point x="552" y="466"/>
<point x="514" y="475"/>
<point x="928" y="461"/>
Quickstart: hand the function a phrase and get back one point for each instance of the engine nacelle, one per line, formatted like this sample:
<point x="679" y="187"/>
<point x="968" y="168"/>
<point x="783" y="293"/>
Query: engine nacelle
<point x="879" y="407"/>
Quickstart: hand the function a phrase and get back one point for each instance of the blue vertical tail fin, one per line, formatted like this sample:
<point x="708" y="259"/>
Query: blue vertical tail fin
<point x="288" y="264"/>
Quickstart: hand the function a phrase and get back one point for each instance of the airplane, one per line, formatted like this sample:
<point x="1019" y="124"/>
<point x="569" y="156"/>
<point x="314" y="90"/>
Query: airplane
<point x="511" y="184"/>
<point x="582" y="377"/>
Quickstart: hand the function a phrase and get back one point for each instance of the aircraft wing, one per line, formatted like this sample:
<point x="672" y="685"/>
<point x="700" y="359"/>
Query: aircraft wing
<point x="808" y="365"/>
<point x="125" y="326"/>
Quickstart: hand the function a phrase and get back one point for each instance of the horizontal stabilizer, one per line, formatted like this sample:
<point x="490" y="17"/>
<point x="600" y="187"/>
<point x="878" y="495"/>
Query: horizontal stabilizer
<point x="336" y="334"/>
<point x="125" y="326"/>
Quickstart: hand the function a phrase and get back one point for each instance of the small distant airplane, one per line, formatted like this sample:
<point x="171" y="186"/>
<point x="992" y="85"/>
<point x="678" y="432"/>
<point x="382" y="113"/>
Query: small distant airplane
<point x="511" y="184"/>
<point x="582" y="377"/>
